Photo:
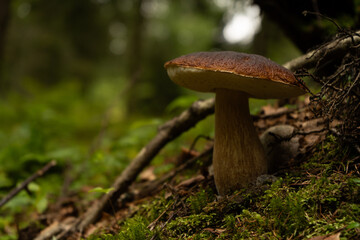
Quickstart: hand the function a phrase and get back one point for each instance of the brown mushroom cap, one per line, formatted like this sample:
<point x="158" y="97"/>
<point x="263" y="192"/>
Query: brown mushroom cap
<point x="253" y="74"/>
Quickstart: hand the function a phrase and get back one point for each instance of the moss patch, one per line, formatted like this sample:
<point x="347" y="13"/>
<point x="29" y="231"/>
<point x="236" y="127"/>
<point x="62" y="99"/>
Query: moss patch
<point x="317" y="197"/>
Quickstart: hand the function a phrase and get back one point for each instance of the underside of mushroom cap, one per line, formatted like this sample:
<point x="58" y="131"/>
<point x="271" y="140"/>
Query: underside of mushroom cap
<point x="253" y="74"/>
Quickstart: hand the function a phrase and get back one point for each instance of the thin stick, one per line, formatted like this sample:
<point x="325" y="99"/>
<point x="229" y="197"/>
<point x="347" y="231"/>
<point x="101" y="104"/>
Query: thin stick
<point x="152" y="187"/>
<point x="24" y="184"/>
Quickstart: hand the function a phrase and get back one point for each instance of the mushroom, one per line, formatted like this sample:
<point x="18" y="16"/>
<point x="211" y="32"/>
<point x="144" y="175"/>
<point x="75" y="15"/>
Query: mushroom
<point x="238" y="157"/>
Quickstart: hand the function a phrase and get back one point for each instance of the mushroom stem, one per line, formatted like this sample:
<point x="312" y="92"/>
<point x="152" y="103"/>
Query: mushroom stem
<point x="238" y="155"/>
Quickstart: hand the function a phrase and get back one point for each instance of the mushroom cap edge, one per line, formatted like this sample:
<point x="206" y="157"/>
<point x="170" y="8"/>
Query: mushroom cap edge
<point x="250" y="73"/>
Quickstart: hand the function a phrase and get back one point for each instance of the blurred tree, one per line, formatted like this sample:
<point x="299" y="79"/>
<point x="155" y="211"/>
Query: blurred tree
<point x="134" y="52"/>
<point x="4" y="19"/>
<point x="123" y="41"/>
<point x="51" y="41"/>
<point x="170" y="29"/>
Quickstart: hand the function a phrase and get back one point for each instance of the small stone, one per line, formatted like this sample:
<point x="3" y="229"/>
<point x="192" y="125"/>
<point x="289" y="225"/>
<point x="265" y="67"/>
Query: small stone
<point x="280" y="146"/>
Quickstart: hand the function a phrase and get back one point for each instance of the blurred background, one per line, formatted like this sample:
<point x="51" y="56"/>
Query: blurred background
<point x="83" y="81"/>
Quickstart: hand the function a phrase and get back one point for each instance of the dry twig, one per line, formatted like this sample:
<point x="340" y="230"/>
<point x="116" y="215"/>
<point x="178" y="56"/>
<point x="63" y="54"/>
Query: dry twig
<point x="24" y="184"/>
<point x="156" y="184"/>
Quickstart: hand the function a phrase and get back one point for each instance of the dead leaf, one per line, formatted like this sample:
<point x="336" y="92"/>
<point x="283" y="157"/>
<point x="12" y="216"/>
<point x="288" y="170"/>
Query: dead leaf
<point x="266" y="110"/>
<point x="261" y="124"/>
<point x="311" y="139"/>
<point x="336" y="123"/>
<point x="276" y="121"/>
<point x="147" y="174"/>
<point x="335" y="236"/>
<point x="271" y="110"/>
<point x="190" y="182"/>
<point x="185" y="155"/>
<point x="312" y="125"/>
<point x="216" y="231"/>
<point x="294" y="115"/>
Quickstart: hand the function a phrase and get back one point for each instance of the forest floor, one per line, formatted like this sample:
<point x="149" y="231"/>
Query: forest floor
<point x="314" y="195"/>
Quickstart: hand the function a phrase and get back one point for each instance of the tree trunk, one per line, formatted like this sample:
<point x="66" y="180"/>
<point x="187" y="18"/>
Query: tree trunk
<point x="134" y="52"/>
<point x="4" y="21"/>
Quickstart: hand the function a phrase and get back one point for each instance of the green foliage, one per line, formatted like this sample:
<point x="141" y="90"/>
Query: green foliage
<point x="181" y="103"/>
<point x="101" y="190"/>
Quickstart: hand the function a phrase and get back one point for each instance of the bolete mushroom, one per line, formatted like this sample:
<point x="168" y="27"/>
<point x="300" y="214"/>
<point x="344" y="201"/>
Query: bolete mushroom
<point x="238" y="157"/>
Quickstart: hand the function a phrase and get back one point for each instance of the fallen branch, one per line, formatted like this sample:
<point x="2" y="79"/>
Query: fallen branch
<point x="55" y="228"/>
<point x="24" y="184"/>
<point x="337" y="47"/>
<point x="186" y="120"/>
<point x="167" y="132"/>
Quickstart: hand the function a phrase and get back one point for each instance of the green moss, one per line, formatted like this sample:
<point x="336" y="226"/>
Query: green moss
<point x="200" y="200"/>
<point x="135" y="229"/>
<point x="132" y="229"/>
<point x="189" y="225"/>
<point x="156" y="207"/>
<point x="318" y="197"/>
